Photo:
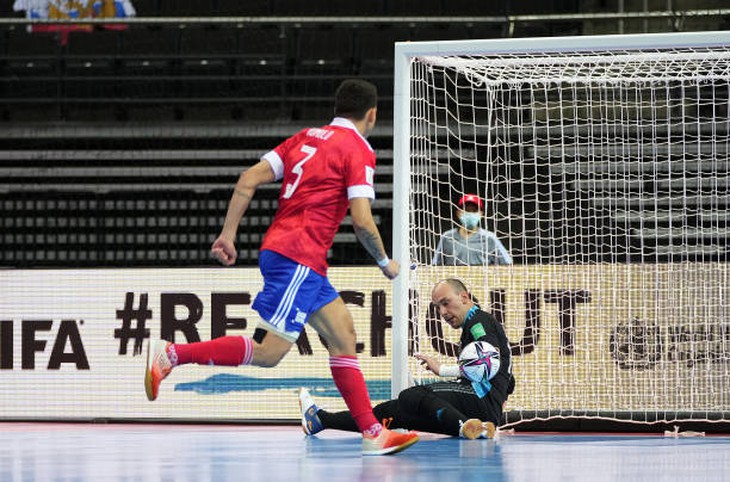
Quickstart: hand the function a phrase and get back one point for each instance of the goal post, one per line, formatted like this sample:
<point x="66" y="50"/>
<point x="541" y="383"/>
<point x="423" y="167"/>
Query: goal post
<point x="603" y="165"/>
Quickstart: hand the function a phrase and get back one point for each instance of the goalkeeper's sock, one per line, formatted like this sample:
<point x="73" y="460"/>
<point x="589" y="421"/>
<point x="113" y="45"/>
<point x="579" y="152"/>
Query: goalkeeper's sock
<point x="338" y="420"/>
<point x="351" y="384"/>
<point x="226" y="350"/>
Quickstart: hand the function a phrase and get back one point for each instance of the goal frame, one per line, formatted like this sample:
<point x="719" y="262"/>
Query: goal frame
<point x="405" y="52"/>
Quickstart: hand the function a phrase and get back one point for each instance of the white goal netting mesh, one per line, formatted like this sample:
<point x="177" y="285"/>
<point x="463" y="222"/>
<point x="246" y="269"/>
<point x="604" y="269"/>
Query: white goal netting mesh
<point x="605" y="175"/>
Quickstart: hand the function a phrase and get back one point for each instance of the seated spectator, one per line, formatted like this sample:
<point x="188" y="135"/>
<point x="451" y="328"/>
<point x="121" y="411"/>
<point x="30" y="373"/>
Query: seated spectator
<point x="470" y="244"/>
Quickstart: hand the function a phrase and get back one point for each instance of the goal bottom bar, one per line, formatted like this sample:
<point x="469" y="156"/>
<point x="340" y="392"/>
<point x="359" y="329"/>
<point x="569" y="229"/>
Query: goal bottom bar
<point x="604" y="421"/>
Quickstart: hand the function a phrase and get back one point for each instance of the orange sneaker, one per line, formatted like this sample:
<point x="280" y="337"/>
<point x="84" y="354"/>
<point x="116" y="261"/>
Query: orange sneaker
<point x="388" y="442"/>
<point x="475" y="428"/>
<point x="158" y="367"/>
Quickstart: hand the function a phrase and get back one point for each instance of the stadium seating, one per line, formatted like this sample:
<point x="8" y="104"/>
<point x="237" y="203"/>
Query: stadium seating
<point x="97" y="170"/>
<point x="146" y="196"/>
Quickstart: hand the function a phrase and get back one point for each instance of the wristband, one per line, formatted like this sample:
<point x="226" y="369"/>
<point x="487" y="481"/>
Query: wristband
<point x="449" y="371"/>
<point x="383" y="262"/>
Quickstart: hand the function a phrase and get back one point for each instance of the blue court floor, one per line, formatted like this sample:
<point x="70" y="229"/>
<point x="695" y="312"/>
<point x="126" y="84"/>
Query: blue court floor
<point x="146" y="452"/>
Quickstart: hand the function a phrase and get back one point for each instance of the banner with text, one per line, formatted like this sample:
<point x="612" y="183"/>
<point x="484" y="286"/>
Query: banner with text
<point x="605" y="337"/>
<point x="73" y="344"/>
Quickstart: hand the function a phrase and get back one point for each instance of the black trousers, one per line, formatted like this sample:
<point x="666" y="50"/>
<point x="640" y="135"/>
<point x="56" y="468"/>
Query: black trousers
<point x="436" y="408"/>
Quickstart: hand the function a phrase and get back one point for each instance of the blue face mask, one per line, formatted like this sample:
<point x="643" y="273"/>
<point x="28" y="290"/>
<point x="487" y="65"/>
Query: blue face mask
<point x="470" y="220"/>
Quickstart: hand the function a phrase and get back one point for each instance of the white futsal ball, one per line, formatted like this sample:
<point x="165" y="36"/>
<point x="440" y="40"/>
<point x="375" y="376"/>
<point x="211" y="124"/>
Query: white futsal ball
<point x="479" y="361"/>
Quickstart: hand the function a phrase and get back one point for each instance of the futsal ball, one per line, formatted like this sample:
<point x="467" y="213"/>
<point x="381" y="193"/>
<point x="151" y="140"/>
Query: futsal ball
<point x="479" y="361"/>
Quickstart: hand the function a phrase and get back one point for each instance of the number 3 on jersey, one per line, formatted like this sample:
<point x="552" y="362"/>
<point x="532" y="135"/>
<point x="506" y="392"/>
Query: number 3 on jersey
<point x="299" y="170"/>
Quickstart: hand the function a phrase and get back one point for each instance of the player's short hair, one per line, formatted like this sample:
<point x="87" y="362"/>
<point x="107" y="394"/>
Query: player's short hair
<point x="459" y="287"/>
<point x="456" y="284"/>
<point x="354" y="98"/>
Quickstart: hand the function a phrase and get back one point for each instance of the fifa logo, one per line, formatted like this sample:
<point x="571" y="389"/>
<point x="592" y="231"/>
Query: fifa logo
<point x="639" y="344"/>
<point x="636" y="344"/>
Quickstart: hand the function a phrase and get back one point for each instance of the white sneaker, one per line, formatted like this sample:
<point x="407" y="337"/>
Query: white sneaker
<point x="311" y="424"/>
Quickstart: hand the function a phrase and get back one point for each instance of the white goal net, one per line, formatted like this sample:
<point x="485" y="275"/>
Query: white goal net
<point x="603" y="167"/>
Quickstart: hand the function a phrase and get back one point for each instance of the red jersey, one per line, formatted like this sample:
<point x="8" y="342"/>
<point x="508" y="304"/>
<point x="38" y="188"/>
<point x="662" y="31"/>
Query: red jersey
<point x="321" y="170"/>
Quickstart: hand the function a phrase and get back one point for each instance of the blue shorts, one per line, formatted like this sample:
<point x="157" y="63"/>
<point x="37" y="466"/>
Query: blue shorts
<point x="291" y="293"/>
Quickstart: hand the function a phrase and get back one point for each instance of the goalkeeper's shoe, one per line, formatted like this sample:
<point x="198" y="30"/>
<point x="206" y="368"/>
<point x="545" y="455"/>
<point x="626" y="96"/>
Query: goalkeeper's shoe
<point x="311" y="424"/>
<point x="158" y="367"/>
<point x="475" y="428"/>
<point x="388" y="442"/>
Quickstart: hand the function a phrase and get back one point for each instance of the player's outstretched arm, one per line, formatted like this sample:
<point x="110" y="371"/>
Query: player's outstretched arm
<point x="223" y="248"/>
<point x="367" y="233"/>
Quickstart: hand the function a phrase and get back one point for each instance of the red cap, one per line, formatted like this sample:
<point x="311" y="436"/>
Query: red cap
<point x="470" y="198"/>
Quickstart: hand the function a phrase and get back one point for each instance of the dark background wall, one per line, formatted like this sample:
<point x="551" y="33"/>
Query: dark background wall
<point x="120" y="148"/>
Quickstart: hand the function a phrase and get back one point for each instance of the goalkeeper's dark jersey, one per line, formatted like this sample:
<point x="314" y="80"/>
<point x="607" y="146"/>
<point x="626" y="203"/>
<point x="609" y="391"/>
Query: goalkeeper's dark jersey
<point x="482" y="326"/>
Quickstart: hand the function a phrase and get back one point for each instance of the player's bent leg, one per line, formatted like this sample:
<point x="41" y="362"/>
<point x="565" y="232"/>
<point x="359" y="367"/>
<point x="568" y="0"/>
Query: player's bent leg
<point x="334" y="323"/>
<point x="271" y="350"/>
<point x="222" y="351"/>
<point x="163" y="356"/>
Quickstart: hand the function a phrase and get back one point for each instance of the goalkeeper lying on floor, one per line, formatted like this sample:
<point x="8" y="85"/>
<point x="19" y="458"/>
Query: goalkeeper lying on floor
<point x="459" y="407"/>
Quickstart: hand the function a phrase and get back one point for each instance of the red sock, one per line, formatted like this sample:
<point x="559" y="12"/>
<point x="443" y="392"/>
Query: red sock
<point x="226" y="350"/>
<point x="351" y="384"/>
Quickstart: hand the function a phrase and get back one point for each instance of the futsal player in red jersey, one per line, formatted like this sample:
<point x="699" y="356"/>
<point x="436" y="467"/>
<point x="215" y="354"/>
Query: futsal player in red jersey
<point x="324" y="171"/>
